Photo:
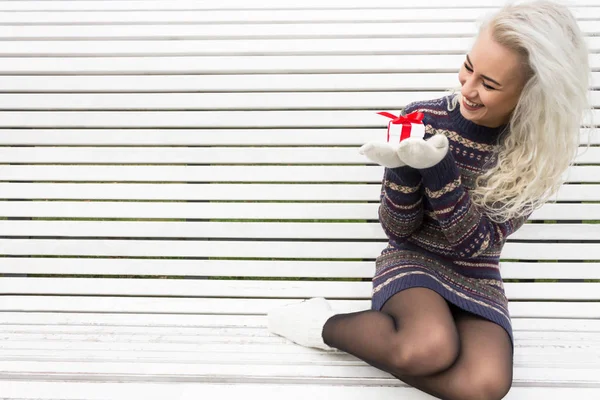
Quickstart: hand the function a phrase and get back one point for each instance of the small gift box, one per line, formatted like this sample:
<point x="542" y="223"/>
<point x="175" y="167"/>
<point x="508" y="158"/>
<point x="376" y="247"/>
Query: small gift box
<point x="404" y="126"/>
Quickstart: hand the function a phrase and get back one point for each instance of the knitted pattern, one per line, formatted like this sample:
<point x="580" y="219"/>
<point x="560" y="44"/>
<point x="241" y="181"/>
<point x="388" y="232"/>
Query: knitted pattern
<point x="438" y="238"/>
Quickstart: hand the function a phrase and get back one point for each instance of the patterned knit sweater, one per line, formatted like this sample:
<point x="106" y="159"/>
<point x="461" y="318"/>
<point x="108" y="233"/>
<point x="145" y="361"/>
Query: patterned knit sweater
<point x="438" y="238"/>
<point x="431" y="208"/>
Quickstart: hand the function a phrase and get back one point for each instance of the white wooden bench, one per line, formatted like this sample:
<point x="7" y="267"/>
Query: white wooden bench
<point x="171" y="170"/>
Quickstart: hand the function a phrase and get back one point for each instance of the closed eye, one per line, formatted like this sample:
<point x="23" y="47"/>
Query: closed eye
<point x="486" y="86"/>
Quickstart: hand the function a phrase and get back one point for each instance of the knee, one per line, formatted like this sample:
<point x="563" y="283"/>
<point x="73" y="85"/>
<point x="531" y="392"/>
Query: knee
<point x="425" y="353"/>
<point x="486" y="386"/>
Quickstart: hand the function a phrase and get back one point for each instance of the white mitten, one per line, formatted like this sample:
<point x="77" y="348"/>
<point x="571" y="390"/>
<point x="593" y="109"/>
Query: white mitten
<point x="421" y="154"/>
<point x="385" y="154"/>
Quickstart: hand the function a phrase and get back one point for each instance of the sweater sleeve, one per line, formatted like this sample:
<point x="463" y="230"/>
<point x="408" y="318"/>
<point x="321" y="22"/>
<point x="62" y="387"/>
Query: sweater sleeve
<point x="401" y="205"/>
<point x="469" y="231"/>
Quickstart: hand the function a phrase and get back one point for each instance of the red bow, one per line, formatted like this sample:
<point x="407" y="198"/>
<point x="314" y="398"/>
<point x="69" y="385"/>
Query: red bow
<point x="405" y="120"/>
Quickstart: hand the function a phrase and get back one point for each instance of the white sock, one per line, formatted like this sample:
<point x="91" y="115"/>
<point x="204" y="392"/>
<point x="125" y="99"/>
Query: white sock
<point x="302" y="322"/>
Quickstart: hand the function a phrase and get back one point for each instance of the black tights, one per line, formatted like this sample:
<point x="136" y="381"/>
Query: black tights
<point x="448" y="353"/>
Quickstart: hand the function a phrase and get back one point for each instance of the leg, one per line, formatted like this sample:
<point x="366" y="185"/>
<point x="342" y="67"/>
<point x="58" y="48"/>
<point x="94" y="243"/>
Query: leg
<point x="414" y="334"/>
<point x="484" y="366"/>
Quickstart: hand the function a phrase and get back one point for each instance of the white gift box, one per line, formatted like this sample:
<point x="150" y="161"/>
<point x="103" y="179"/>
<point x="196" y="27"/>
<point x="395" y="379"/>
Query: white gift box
<point x="404" y="126"/>
<point x="398" y="132"/>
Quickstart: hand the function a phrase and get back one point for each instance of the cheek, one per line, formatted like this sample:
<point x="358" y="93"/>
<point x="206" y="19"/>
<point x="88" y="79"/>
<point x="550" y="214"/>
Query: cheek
<point x="462" y="76"/>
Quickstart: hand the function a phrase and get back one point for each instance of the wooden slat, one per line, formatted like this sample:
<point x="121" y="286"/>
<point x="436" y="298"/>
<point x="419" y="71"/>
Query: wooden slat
<point x="16" y="389"/>
<point x="190" y="321"/>
<point x="227" y="16"/>
<point x="397" y="90"/>
<point x="158" y="322"/>
<point x="229" y="192"/>
<point x="215" y="137"/>
<point x="441" y="45"/>
<point x="260" y="230"/>
<point x="209" y="155"/>
<point x="217" y="65"/>
<point x="81" y="334"/>
<point x="250" y="31"/>
<point x="198" y="119"/>
<point x="221" y="306"/>
<point x="64" y="5"/>
<point x="238" y="101"/>
<point x="269" y="289"/>
<point x="203" y="174"/>
<point x="247" y="211"/>
<point x="264" y="249"/>
<point x="265" y="268"/>
<point x="265" y="372"/>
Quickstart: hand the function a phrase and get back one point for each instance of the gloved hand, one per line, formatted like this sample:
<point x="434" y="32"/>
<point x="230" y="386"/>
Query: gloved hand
<point x="421" y="154"/>
<point x="385" y="154"/>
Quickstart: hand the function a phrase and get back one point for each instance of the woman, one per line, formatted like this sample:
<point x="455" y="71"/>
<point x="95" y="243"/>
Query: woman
<point x="492" y="154"/>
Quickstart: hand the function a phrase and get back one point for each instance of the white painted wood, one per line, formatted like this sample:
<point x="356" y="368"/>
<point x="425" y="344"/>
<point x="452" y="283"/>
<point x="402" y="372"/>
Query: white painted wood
<point x="270" y="373"/>
<point x="256" y="191"/>
<point x="203" y="174"/>
<point x="148" y="322"/>
<point x="240" y="101"/>
<point x="251" y="47"/>
<point x="213" y="137"/>
<point x="265" y="249"/>
<point x="247" y="211"/>
<point x="387" y="390"/>
<point x="250" y="306"/>
<point x="80" y="5"/>
<point x="265" y="268"/>
<point x="228" y="16"/>
<point x="53" y="322"/>
<point x="198" y="119"/>
<point x="270" y="289"/>
<point x="209" y="155"/>
<point x="261" y="230"/>
<point x="248" y="31"/>
<point x="401" y="88"/>
<point x="216" y="65"/>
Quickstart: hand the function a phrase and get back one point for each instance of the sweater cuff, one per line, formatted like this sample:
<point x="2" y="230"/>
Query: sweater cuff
<point x="441" y="174"/>
<point x="405" y="176"/>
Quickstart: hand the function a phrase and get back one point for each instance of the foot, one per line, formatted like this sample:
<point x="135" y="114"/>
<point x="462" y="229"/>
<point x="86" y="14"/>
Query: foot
<point x="302" y="323"/>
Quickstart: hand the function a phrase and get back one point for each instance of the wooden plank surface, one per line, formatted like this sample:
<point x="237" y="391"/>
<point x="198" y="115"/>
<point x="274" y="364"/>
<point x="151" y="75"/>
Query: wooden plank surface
<point x="223" y="173"/>
<point x="245" y="289"/>
<point x="244" y="307"/>
<point x="90" y="5"/>
<point x="250" y="31"/>
<point x="246" y="101"/>
<point x="253" y="16"/>
<point x="263" y="268"/>
<point x="208" y="137"/>
<point x="401" y="88"/>
<point x="199" y="119"/>
<point x="262" y="230"/>
<point x="224" y="192"/>
<point x="247" y="211"/>
<point x="210" y="155"/>
<point x="392" y="390"/>
<point x="78" y="69"/>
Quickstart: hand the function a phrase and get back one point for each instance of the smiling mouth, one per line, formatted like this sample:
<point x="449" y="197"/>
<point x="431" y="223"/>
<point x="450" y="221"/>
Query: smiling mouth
<point x="469" y="105"/>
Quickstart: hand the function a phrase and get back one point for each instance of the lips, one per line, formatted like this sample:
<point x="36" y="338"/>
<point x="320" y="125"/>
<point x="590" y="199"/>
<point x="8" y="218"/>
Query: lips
<point x="470" y="108"/>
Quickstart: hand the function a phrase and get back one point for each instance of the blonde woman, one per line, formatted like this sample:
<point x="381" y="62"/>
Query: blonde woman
<point x="493" y="153"/>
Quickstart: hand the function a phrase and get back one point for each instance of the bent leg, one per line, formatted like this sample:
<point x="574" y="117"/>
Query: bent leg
<point x="484" y="366"/>
<point x="413" y="334"/>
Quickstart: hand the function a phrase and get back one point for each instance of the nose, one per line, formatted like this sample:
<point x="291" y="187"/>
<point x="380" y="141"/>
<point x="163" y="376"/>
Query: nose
<point x="468" y="88"/>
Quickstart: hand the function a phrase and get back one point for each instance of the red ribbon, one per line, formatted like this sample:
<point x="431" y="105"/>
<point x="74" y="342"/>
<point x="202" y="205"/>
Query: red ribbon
<point x="405" y="120"/>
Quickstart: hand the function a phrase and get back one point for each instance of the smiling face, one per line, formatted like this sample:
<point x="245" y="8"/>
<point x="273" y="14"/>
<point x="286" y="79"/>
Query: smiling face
<point x="492" y="78"/>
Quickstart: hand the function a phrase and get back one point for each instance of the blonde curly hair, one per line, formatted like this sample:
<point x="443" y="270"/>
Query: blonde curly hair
<point x="543" y="134"/>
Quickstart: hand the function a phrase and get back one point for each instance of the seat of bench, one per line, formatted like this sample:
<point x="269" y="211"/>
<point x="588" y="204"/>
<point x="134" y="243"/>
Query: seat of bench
<point x="113" y="355"/>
